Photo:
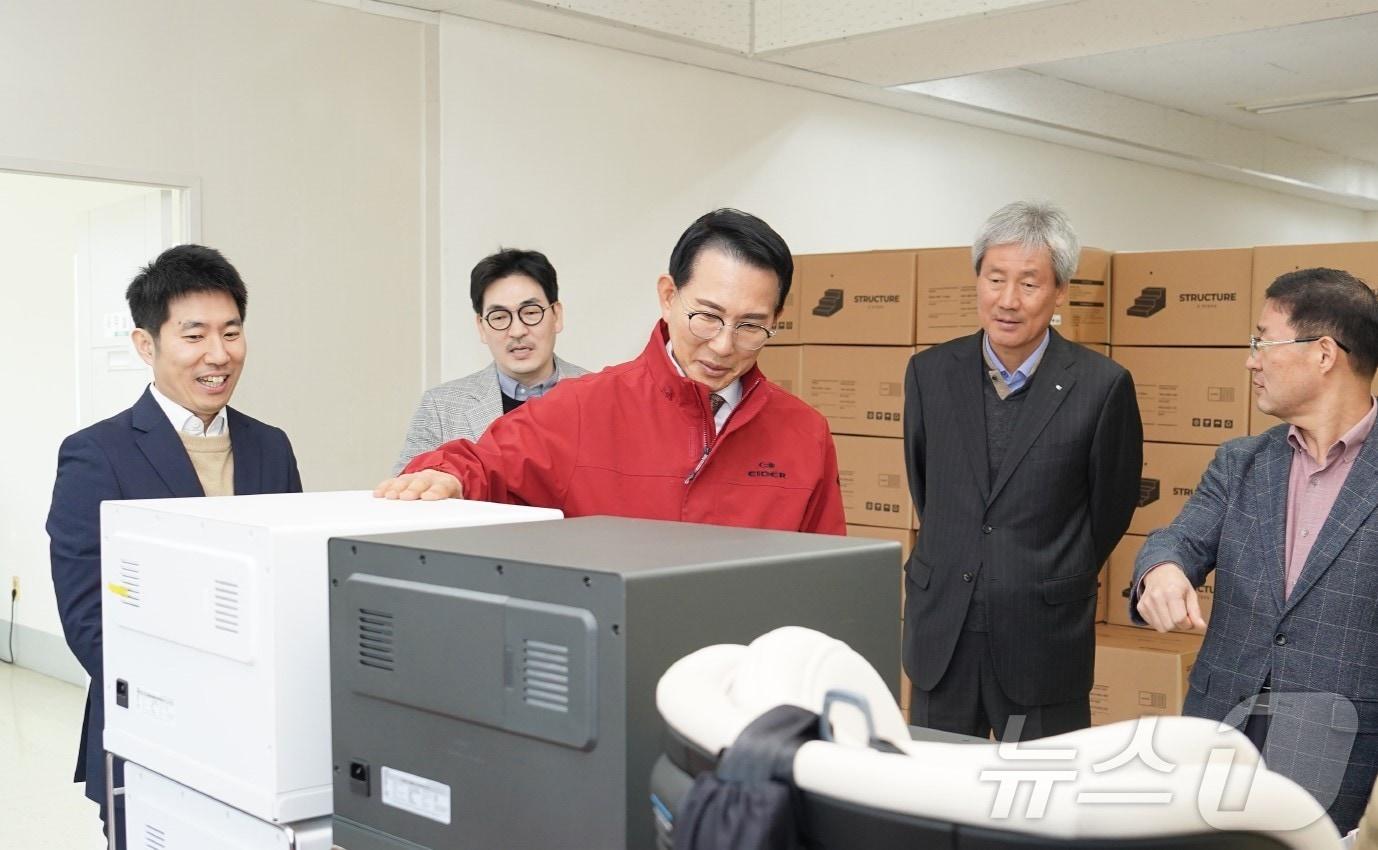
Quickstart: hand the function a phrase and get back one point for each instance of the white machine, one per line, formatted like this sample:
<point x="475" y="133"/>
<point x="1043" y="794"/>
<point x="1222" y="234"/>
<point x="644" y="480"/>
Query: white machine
<point x="216" y="636"/>
<point x="160" y="813"/>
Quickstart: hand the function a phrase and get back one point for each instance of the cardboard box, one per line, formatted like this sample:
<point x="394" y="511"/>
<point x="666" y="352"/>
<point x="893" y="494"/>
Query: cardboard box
<point x="1183" y="298"/>
<point x="786" y="326"/>
<point x="875" y="489"/>
<point x="902" y="536"/>
<point x="1190" y="395"/>
<point x="1140" y="672"/>
<point x="1358" y="258"/>
<point x="1101" y="349"/>
<point x="1121" y="566"/>
<point x="859" y="388"/>
<point x="945" y="295"/>
<point x="1084" y="314"/>
<point x="858" y="299"/>
<point x="1171" y="473"/>
<point x="782" y="364"/>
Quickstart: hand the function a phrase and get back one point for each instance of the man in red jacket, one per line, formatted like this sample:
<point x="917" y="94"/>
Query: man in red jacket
<point x="690" y="430"/>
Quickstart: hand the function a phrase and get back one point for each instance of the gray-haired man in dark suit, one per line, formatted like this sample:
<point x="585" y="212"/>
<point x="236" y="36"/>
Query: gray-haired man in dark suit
<point x="1024" y="453"/>
<point x="518" y="313"/>
<point x="1288" y="522"/>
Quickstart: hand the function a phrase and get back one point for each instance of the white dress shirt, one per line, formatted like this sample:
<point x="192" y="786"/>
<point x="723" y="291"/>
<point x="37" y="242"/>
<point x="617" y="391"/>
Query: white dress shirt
<point x="185" y="422"/>
<point x="731" y="394"/>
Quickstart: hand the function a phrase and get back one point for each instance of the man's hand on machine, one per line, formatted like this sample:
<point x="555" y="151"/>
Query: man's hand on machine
<point x="427" y="485"/>
<point x="1168" y="600"/>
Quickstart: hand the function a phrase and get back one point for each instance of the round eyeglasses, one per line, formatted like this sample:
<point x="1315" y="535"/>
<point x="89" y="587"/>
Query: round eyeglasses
<point x="745" y="335"/>
<point x="531" y="315"/>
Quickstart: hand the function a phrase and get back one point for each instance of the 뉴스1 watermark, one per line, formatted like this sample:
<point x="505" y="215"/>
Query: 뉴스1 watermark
<point x="1309" y="739"/>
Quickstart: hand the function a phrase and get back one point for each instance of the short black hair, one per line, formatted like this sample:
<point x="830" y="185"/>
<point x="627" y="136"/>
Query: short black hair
<point x="510" y="261"/>
<point x="739" y="235"/>
<point x="178" y="271"/>
<point x="1333" y="303"/>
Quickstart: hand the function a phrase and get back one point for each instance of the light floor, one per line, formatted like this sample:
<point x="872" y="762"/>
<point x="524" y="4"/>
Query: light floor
<point x="41" y="808"/>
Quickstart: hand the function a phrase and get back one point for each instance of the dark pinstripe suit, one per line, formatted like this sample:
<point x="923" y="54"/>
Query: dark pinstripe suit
<point x="1035" y="537"/>
<point x="1319" y="645"/>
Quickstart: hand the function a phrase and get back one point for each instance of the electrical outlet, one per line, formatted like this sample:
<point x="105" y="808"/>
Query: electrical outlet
<point x="14" y="587"/>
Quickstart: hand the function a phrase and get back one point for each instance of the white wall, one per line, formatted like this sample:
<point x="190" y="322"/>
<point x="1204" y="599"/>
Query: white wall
<point x="305" y="124"/>
<point x="601" y="158"/>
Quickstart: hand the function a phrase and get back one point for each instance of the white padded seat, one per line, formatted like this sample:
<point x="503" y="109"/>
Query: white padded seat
<point x="1160" y="776"/>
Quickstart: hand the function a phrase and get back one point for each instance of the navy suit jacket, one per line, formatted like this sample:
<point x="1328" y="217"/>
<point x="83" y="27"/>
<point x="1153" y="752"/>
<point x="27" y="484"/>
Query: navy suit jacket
<point x="134" y="454"/>
<point x="1318" y="647"/>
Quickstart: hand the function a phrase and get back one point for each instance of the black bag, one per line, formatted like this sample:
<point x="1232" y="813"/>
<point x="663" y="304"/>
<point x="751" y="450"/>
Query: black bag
<point x="747" y="803"/>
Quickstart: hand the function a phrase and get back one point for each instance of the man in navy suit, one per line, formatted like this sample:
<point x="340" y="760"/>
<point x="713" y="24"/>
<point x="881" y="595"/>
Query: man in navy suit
<point x="179" y="439"/>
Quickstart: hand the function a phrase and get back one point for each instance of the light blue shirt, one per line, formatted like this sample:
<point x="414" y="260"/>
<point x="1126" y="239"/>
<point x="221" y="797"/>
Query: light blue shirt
<point x="1019" y="377"/>
<point x="512" y="388"/>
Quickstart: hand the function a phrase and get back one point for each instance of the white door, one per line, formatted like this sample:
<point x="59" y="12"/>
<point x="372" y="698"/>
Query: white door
<point x="114" y="242"/>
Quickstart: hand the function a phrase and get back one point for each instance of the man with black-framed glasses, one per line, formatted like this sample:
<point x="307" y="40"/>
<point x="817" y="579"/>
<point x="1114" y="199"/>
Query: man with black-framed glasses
<point x="518" y="314"/>
<point x="1288" y="522"/>
<point x="690" y="430"/>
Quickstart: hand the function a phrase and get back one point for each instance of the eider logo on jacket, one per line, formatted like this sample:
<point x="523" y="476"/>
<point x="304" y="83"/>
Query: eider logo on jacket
<point x="765" y="469"/>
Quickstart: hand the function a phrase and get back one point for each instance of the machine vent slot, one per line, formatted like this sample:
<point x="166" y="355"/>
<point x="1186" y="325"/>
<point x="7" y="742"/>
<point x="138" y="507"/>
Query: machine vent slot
<point x="376" y="640"/>
<point x="130" y="579"/>
<point x="545" y="675"/>
<point x="154" y="838"/>
<point x="225" y="605"/>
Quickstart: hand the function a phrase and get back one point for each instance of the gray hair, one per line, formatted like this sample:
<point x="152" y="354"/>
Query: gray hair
<point x="1033" y="225"/>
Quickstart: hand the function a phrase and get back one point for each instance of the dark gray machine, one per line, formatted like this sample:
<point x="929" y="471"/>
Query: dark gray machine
<point x="494" y="687"/>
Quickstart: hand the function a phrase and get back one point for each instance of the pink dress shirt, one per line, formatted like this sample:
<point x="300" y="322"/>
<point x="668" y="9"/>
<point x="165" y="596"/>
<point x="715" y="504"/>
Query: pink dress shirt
<point x="1313" y="488"/>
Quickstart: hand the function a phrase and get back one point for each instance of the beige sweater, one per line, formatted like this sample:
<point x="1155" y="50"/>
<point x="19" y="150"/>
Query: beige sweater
<point x="214" y="463"/>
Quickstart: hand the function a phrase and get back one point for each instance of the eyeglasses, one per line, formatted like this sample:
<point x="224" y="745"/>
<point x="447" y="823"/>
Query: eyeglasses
<point x="1256" y="344"/>
<point x="531" y="315"/>
<point x="745" y="335"/>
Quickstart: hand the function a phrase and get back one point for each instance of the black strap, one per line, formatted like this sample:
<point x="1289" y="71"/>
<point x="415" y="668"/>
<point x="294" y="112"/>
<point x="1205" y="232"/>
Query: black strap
<point x="765" y="749"/>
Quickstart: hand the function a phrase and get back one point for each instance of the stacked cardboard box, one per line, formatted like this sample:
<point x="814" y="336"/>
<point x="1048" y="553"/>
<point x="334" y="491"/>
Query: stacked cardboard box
<point x="1180" y="323"/>
<point x="857" y="329"/>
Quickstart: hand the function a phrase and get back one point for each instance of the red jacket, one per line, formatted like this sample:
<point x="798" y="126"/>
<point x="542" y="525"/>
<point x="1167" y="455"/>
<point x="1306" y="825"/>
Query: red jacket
<point x="636" y="440"/>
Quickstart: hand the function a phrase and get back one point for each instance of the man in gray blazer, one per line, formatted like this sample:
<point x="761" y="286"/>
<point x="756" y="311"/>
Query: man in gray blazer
<point x="518" y="315"/>
<point x="1287" y="521"/>
<point x="1024" y="453"/>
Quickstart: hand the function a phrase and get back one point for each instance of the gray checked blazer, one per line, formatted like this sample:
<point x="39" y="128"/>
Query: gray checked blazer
<point x="1319" y="645"/>
<point x="460" y="409"/>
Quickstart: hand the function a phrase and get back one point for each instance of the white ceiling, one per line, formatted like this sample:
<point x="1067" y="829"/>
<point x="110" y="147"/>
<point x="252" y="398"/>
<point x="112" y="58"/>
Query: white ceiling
<point x="1157" y="81"/>
<point x="1210" y="77"/>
